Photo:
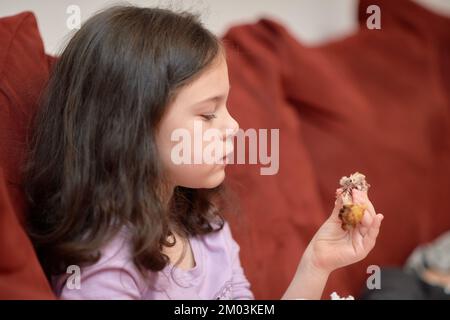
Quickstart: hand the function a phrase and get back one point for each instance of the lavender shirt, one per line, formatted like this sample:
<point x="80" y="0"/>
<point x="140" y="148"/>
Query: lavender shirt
<point x="217" y="275"/>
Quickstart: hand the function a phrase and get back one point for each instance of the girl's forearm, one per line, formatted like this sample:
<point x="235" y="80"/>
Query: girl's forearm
<point x="308" y="282"/>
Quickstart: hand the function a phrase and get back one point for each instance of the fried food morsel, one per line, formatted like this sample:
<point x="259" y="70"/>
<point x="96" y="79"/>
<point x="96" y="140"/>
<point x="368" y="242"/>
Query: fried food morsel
<point x="351" y="213"/>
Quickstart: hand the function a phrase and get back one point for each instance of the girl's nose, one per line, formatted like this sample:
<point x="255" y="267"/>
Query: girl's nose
<point x="231" y="125"/>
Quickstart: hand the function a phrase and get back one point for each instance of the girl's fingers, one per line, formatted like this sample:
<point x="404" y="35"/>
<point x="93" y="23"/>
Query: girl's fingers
<point x="363" y="231"/>
<point x="372" y="233"/>
<point x="366" y="223"/>
<point x="338" y="196"/>
<point x="361" y="197"/>
<point x="367" y="219"/>
<point x="337" y="206"/>
<point x="358" y="239"/>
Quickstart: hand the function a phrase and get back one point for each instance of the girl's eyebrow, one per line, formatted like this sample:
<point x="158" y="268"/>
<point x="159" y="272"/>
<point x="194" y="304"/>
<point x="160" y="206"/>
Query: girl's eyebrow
<point x="213" y="98"/>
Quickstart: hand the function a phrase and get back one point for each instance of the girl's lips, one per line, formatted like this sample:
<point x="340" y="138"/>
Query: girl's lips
<point x="224" y="159"/>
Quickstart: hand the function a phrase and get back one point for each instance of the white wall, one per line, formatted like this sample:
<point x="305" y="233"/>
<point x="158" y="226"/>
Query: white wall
<point x="312" y="21"/>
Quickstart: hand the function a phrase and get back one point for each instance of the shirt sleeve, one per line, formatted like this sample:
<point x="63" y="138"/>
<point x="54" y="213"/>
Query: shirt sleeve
<point x="240" y="285"/>
<point x="113" y="277"/>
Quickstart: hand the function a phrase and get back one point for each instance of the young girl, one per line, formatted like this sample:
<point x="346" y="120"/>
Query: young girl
<point x="104" y="190"/>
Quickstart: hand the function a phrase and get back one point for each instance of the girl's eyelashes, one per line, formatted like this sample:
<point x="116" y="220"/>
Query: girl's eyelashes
<point x="209" y="116"/>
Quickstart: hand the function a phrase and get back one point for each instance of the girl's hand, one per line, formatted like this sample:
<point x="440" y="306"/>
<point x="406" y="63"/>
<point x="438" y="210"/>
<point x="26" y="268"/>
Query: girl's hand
<point x="332" y="247"/>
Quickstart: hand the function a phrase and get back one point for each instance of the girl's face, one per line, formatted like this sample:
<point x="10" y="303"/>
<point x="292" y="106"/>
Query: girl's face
<point x="199" y="108"/>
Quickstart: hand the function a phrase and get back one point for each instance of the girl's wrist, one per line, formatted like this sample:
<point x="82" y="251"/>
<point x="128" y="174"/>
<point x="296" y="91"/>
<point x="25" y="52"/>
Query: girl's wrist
<point x="310" y="265"/>
<point x="309" y="280"/>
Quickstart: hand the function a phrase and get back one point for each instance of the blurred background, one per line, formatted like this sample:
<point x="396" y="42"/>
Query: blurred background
<point x="345" y="97"/>
<point x="313" y="21"/>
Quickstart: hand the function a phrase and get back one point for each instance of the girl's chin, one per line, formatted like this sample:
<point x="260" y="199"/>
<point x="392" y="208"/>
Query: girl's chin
<point x="207" y="181"/>
<point x="214" y="178"/>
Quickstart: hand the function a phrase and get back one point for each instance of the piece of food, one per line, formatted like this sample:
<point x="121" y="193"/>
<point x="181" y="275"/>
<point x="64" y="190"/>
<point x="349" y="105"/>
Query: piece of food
<point x="351" y="213"/>
<point x="335" y="296"/>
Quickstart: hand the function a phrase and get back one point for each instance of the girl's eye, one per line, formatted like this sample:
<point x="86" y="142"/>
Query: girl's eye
<point x="209" y="117"/>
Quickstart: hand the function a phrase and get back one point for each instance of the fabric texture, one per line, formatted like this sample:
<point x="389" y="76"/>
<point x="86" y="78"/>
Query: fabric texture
<point x="24" y="70"/>
<point x="377" y="102"/>
<point x="217" y="274"/>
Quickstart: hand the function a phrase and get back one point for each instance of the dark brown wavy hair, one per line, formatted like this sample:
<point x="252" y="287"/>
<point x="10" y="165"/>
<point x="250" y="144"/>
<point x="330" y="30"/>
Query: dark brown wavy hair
<point x="93" y="166"/>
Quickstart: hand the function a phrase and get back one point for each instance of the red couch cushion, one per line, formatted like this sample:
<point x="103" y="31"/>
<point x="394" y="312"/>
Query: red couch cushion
<point x="24" y="72"/>
<point x="278" y="213"/>
<point x="376" y="102"/>
<point x="21" y="276"/>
